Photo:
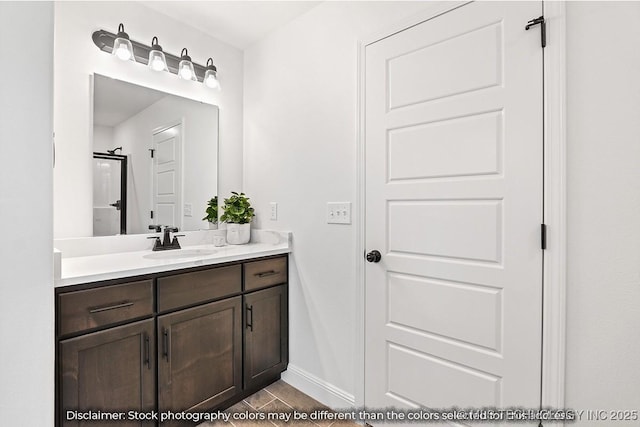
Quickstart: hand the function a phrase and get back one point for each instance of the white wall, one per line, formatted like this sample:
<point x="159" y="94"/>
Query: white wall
<point x="199" y="140"/>
<point x="300" y="127"/>
<point x="26" y="260"/>
<point x="103" y="138"/>
<point x="76" y="58"/>
<point x="300" y="151"/>
<point x="603" y="300"/>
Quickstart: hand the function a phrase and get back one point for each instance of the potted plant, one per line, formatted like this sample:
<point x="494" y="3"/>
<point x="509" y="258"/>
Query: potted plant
<point x="238" y="214"/>
<point x="212" y="213"/>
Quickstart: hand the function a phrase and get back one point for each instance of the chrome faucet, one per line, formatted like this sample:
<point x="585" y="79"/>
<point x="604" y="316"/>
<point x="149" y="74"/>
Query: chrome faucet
<point x="167" y="243"/>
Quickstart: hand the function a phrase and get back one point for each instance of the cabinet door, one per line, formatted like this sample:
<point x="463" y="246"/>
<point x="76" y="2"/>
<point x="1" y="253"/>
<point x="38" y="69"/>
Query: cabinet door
<point x="109" y="371"/>
<point x="200" y="356"/>
<point x="266" y="335"/>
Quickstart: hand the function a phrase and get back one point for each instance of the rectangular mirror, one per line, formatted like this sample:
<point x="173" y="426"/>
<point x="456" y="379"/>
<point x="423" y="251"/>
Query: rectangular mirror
<point x="155" y="159"/>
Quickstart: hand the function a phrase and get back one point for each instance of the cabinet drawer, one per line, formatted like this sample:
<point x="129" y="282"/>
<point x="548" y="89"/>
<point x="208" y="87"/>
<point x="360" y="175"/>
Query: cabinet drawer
<point x="260" y="274"/>
<point x="186" y="289"/>
<point x="81" y="310"/>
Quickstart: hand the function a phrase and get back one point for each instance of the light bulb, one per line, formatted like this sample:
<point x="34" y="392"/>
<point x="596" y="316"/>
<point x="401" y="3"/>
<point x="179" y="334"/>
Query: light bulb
<point x="211" y="81"/>
<point x="123" y="53"/>
<point x="122" y="47"/>
<point x="185" y="73"/>
<point x="185" y="67"/>
<point x="157" y="64"/>
<point x="211" y="75"/>
<point x="157" y="61"/>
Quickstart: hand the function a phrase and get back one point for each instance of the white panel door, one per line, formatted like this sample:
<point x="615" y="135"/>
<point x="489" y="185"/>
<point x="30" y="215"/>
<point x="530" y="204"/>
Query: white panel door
<point x="453" y="140"/>
<point x="167" y="177"/>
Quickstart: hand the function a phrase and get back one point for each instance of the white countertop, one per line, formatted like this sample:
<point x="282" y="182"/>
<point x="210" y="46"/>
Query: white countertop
<point x="106" y="266"/>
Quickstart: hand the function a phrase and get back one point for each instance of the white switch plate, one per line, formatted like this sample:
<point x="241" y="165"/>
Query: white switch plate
<point x="339" y="213"/>
<point x="273" y="208"/>
<point x="188" y="209"/>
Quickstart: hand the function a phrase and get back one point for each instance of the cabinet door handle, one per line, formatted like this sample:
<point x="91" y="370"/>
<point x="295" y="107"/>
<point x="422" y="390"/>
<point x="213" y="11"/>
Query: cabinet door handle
<point x="266" y="273"/>
<point x="165" y="344"/>
<point x="147" y="351"/>
<point x="123" y="304"/>
<point x="250" y="322"/>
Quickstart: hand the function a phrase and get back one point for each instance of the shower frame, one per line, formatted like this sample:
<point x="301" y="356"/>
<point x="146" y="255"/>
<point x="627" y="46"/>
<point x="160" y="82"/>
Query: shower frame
<point x="123" y="185"/>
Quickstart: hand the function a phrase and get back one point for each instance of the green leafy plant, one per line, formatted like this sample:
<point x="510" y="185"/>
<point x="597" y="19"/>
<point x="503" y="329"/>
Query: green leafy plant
<point x="237" y="209"/>
<point x="212" y="210"/>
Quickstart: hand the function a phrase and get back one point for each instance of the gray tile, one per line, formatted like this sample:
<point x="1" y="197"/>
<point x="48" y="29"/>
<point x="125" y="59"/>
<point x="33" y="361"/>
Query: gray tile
<point x="240" y="407"/>
<point x="294" y="397"/>
<point x="278" y="398"/>
<point x="330" y="421"/>
<point x="345" y="423"/>
<point x="278" y="407"/>
<point x="259" y="399"/>
<point x="214" y="424"/>
<point x="298" y="400"/>
<point x="243" y="415"/>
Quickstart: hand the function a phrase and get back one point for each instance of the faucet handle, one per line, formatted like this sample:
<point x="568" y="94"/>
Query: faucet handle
<point x="158" y="228"/>
<point x="157" y="242"/>
<point x="174" y="242"/>
<point x="171" y="229"/>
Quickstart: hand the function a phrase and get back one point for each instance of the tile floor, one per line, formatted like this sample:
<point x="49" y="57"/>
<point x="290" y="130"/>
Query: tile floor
<point x="279" y="399"/>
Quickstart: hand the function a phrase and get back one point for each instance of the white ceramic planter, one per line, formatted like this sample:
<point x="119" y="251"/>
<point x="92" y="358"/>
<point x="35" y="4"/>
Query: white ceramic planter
<point x="213" y="225"/>
<point x="238" y="234"/>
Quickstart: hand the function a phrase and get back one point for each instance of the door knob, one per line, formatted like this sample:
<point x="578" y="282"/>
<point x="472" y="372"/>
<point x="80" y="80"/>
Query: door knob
<point x="373" y="256"/>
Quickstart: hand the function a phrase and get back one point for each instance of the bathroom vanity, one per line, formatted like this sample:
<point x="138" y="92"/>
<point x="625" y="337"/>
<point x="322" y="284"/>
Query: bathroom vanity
<point x="187" y="336"/>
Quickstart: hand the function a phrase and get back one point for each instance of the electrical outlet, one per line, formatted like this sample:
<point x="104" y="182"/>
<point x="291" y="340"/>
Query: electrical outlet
<point x="273" y="207"/>
<point x="188" y="209"/>
<point x="339" y="213"/>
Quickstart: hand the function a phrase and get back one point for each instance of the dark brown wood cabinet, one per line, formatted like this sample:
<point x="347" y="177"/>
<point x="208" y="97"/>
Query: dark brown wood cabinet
<point x="110" y="371"/>
<point x="265" y="335"/>
<point x="264" y="273"/>
<point x="83" y="310"/>
<point x="190" y="340"/>
<point x="200" y="356"/>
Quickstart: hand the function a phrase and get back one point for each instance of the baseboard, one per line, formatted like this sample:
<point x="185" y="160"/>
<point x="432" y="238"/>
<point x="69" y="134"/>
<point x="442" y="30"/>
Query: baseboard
<point x="322" y="391"/>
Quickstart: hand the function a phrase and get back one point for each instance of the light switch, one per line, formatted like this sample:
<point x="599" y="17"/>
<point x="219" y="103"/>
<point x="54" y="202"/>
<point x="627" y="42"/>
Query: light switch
<point x="339" y="213"/>
<point x="188" y="209"/>
<point x="273" y="209"/>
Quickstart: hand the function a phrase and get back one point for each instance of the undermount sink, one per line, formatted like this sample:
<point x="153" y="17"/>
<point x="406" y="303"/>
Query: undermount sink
<point x="180" y="253"/>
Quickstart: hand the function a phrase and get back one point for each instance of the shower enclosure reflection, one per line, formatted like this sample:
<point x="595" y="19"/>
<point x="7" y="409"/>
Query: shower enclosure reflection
<point x="155" y="159"/>
<point x="109" y="194"/>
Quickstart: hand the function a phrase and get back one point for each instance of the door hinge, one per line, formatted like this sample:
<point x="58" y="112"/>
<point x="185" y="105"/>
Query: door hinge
<point x="151" y="151"/>
<point x="543" y="29"/>
<point x="151" y="214"/>
<point x="543" y="236"/>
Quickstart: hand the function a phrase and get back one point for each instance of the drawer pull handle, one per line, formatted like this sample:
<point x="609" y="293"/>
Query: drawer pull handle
<point x="110" y="307"/>
<point x="147" y="351"/>
<point x="267" y="273"/>
<point x="165" y="344"/>
<point x="250" y="322"/>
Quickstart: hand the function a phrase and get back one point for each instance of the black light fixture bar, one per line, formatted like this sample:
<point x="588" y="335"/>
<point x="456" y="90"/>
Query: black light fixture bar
<point x="104" y="40"/>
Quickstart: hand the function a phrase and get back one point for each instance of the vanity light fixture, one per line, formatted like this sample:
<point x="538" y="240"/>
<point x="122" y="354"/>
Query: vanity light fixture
<point x="185" y="68"/>
<point x="211" y="75"/>
<point x="122" y="47"/>
<point x="154" y="57"/>
<point x="157" y="61"/>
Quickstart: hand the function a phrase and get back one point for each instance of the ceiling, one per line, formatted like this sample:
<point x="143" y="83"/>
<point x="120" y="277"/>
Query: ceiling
<point x="239" y="23"/>
<point x="110" y="109"/>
